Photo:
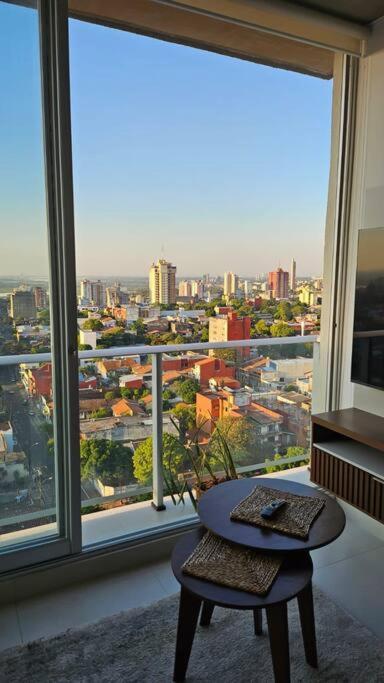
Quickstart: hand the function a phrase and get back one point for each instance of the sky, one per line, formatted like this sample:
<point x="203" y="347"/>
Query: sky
<point x="211" y="162"/>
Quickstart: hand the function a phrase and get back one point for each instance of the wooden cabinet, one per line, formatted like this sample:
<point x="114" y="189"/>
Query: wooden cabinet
<point x="347" y="458"/>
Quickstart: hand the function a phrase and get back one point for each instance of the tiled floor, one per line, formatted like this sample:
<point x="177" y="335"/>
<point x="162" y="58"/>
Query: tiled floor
<point x="350" y="571"/>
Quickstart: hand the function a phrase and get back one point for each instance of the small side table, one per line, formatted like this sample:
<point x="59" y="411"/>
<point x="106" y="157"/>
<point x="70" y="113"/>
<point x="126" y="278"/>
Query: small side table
<point x="294" y="580"/>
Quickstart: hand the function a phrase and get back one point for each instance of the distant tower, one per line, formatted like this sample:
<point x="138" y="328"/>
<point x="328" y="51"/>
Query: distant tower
<point x="278" y="281"/>
<point x="231" y="283"/>
<point x="292" y="279"/>
<point x="162" y="282"/>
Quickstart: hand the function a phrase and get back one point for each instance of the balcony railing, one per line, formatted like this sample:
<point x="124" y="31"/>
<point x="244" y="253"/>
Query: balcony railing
<point x="156" y="352"/>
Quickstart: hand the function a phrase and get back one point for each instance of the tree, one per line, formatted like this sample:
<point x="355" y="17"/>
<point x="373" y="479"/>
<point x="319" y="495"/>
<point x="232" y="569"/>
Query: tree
<point x="89" y="369"/>
<point x="110" y="395"/>
<point x="299" y="309"/>
<point x="93" y="325"/>
<point x="44" y="316"/>
<point x="237" y="434"/>
<point x="291" y="452"/>
<point x="204" y="337"/>
<point x="187" y="390"/>
<point x="262" y="328"/>
<point x="281" y="329"/>
<point x="173" y="456"/>
<point x="101" y="412"/>
<point x="186" y="417"/>
<point x="84" y="347"/>
<point x="283" y="311"/>
<point x="229" y="355"/>
<point x="109" y="461"/>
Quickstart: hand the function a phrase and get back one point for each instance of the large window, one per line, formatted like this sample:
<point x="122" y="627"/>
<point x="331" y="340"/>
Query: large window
<point x="27" y="458"/>
<point x="200" y="192"/>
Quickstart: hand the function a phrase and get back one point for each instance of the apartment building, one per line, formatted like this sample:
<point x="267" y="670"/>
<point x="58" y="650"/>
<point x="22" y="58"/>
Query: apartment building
<point x="162" y="282"/>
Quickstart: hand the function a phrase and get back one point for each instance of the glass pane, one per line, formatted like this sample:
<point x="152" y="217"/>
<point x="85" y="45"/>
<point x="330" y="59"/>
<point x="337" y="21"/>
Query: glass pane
<point x="222" y="411"/>
<point x="195" y="175"/>
<point x="27" y="460"/>
<point x="116" y="449"/>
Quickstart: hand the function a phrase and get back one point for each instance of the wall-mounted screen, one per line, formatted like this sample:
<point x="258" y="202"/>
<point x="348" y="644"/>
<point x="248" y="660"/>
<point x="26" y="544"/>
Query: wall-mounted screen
<point x="368" y="331"/>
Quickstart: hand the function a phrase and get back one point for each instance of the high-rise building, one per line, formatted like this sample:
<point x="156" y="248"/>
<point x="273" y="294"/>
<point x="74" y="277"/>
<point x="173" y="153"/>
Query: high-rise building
<point x="113" y="295"/>
<point x="98" y="293"/>
<point x="185" y="288"/>
<point x="229" y="327"/>
<point x="23" y="305"/>
<point x="162" y="282"/>
<point x="197" y="289"/>
<point x="231" y="283"/>
<point x="292" y="279"/>
<point x="86" y="290"/>
<point x="92" y="292"/>
<point x="278" y="283"/>
<point x="41" y="297"/>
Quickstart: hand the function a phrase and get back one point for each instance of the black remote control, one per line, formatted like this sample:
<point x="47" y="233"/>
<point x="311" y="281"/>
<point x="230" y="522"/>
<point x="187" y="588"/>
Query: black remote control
<point x="268" y="511"/>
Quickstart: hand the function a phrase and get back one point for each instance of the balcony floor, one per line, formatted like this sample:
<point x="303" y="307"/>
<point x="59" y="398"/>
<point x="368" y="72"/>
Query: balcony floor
<point x="349" y="571"/>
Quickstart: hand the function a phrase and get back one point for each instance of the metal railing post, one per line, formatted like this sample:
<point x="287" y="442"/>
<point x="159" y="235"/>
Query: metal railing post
<point x="157" y="423"/>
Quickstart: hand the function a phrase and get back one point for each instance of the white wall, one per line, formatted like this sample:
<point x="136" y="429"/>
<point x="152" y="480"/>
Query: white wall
<point x="367" y="210"/>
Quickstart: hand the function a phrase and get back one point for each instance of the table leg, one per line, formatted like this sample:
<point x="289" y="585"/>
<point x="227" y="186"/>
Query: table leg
<point x="206" y="613"/>
<point x="189" y="609"/>
<point x="277" y="618"/>
<point x="307" y="619"/>
<point x="258" y="621"/>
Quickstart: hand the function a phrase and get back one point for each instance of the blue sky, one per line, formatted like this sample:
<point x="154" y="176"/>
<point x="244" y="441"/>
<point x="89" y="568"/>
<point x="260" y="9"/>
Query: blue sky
<point x="220" y="163"/>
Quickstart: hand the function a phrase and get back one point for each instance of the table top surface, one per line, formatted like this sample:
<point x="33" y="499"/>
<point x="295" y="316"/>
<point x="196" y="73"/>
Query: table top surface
<point x="216" y="505"/>
<point x="294" y="574"/>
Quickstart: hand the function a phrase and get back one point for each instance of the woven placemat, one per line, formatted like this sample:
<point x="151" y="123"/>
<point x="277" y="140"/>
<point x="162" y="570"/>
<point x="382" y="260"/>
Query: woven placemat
<point x="294" y="518"/>
<point x="228" y="564"/>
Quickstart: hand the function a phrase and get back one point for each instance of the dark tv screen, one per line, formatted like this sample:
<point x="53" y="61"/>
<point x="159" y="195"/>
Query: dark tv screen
<point x="368" y="332"/>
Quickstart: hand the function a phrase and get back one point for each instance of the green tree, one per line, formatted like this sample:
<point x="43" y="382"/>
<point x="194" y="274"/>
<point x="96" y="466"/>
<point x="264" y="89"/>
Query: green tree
<point x="187" y="390"/>
<point x="168" y="395"/>
<point x="283" y="311"/>
<point x="262" y="328"/>
<point x="89" y="369"/>
<point x="292" y="451"/>
<point x="93" y="325"/>
<point x="281" y="329"/>
<point x="229" y="355"/>
<point x="186" y="417"/>
<point x="204" y="337"/>
<point x="237" y="434"/>
<point x="101" y="412"/>
<point x="173" y="456"/>
<point x="84" y="347"/>
<point x="107" y="460"/>
<point x="44" y="316"/>
<point x="110" y="395"/>
<point x="299" y="309"/>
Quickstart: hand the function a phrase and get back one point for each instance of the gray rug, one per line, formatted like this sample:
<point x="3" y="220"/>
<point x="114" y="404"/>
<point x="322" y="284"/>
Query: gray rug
<point x="138" y="646"/>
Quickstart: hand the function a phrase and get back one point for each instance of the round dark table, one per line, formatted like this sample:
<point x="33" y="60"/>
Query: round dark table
<point x="197" y="595"/>
<point x="216" y="505"/>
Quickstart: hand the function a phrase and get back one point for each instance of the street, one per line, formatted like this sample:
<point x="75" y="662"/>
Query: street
<point x="30" y="437"/>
